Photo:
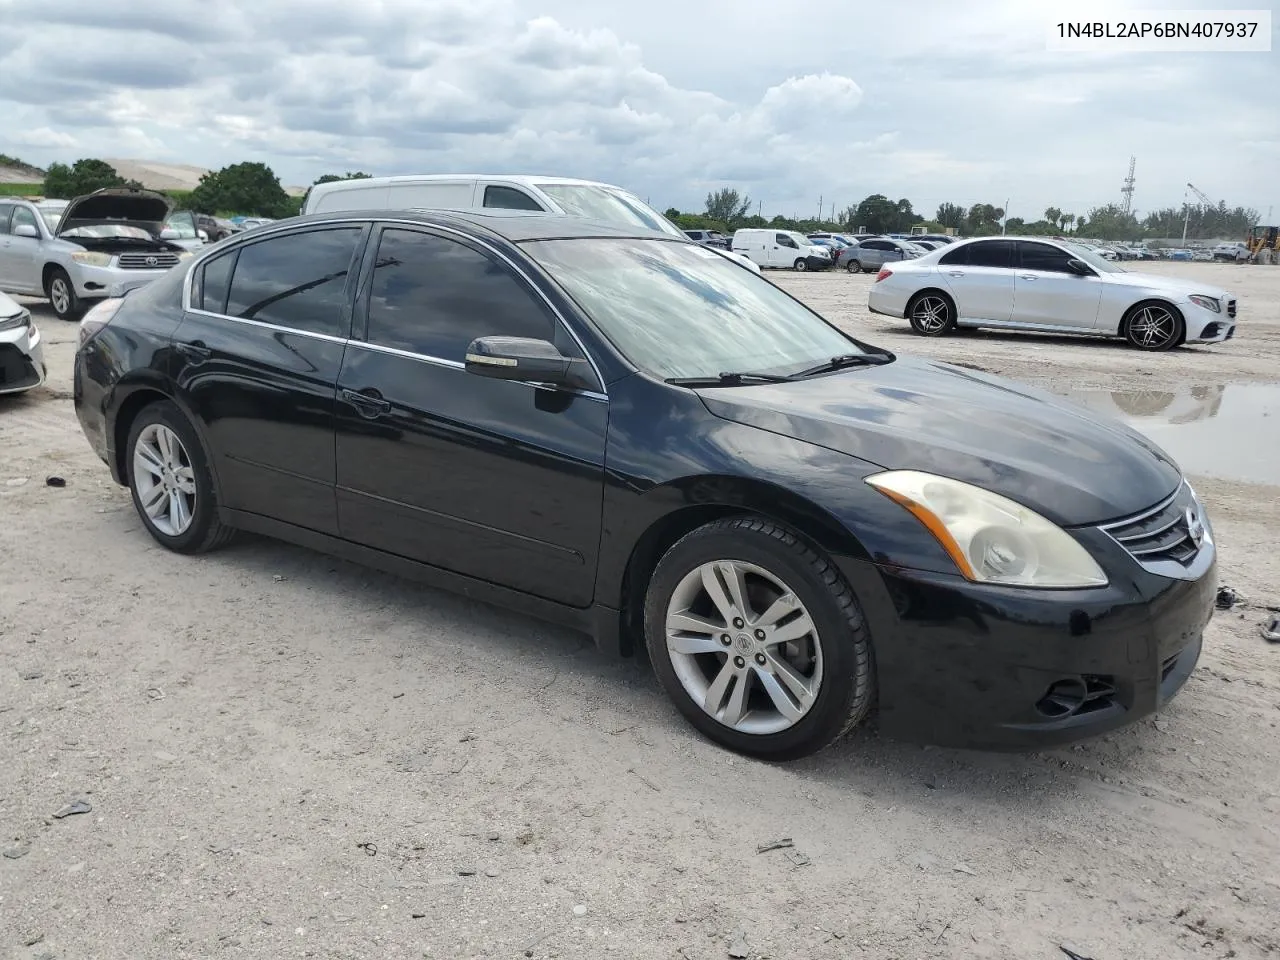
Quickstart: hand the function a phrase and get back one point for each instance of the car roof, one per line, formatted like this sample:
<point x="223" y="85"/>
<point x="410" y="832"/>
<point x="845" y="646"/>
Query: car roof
<point x="512" y="225"/>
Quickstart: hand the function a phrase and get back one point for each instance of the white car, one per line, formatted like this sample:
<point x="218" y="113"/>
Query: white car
<point x="21" y="353"/>
<point x="1050" y="287"/>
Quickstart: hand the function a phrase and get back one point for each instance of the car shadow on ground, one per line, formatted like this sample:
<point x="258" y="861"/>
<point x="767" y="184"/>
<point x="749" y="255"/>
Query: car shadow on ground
<point x="865" y="760"/>
<point x="1027" y="336"/>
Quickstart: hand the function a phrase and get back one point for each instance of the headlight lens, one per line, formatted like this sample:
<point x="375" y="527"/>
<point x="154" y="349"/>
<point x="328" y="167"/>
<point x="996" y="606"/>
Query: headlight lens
<point x="991" y="538"/>
<point x="185" y="254"/>
<point x="1209" y="303"/>
<point x="92" y="258"/>
<point x="18" y="321"/>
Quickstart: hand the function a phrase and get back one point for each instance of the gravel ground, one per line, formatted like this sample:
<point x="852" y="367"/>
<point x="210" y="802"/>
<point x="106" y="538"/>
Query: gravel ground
<point x="290" y="756"/>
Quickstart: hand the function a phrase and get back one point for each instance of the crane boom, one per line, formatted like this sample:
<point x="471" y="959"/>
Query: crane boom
<point x="1199" y="196"/>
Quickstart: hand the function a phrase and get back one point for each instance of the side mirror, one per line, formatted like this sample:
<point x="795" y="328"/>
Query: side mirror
<point x="168" y="233"/>
<point x="204" y="237"/>
<point x="26" y="230"/>
<point x="1079" y="267"/>
<point x="520" y="358"/>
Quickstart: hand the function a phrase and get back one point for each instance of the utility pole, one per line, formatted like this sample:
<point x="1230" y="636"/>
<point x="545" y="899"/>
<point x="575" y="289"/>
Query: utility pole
<point x="819" y="208"/>
<point x="1127" y="189"/>
<point x="1005" y="219"/>
<point x="758" y="207"/>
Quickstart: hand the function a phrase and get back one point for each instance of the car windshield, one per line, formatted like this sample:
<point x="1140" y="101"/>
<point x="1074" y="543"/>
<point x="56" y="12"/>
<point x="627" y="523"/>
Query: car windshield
<point x="680" y="310"/>
<point x="52" y="216"/>
<point x="1094" y="260"/>
<point x="599" y="203"/>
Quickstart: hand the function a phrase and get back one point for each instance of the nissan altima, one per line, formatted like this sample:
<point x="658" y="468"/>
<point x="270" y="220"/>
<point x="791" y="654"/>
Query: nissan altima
<point x="1050" y="287"/>
<point x="623" y="432"/>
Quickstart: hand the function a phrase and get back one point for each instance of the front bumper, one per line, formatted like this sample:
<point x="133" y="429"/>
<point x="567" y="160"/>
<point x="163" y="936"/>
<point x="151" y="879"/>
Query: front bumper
<point x="1205" y="326"/>
<point x="970" y="665"/>
<point x="93" y="282"/>
<point x="22" y="365"/>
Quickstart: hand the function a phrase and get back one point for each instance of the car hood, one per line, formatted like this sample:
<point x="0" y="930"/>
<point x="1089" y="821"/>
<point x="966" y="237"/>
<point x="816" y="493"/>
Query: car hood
<point x="1059" y="459"/>
<point x="1174" y="285"/>
<point x="145" y="208"/>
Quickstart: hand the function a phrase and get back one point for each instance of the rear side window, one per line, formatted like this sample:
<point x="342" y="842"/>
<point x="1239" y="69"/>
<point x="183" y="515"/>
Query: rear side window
<point x="216" y="282"/>
<point x="297" y="281"/>
<point x="990" y="253"/>
<point x="509" y="198"/>
<point x="433" y="296"/>
<point x="955" y="257"/>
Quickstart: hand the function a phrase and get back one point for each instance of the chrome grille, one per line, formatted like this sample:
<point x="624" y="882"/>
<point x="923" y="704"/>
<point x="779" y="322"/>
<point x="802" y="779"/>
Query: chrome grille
<point x="1168" y="531"/>
<point x="147" y="261"/>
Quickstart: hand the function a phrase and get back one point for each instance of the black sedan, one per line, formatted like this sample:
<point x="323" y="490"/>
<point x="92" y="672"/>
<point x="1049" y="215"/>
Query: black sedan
<point x="629" y="434"/>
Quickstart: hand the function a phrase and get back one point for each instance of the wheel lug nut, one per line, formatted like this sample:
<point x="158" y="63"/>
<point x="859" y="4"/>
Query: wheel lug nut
<point x="739" y="662"/>
<point x="760" y="659"/>
<point x="759" y="634"/>
<point x="739" y="622"/>
<point x="726" y="639"/>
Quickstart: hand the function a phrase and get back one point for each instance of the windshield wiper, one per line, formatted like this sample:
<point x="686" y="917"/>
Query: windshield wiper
<point x="846" y="360"/>
<point x="727" y="379"/>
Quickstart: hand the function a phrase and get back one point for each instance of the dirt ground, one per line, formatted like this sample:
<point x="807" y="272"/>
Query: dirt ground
<point x="290" y="756"/>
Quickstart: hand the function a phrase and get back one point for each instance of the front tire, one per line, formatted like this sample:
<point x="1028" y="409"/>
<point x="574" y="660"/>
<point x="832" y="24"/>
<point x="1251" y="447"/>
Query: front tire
<point x="1153" y="326"/>
<point x="800" y="266"/>
<point x="796" y="673"/>
<point x="854" y="266"/>
<point x="62" y="296"/>
<point x="931" y="314"/>
<point x="171" y="483"/>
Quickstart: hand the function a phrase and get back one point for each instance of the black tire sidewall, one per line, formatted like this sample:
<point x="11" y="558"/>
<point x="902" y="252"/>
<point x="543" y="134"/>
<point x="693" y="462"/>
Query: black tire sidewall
<point x="800" y="266"/>
<point x="854" y="266"/>
<point x="829" y="714"/>
<point x="167" y="413"/>
<point x="951" y="314"/>
<point x="1179" y="334"/>
<point x="75" y="306"/>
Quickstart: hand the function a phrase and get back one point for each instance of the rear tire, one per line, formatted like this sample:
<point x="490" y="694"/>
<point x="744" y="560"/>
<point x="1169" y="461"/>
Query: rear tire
<point x="854" y="266"/>
<point x="931" y="313"/>
<point x="171" y="483"/>
<point x="776" y="690"/>
<point x="62" y="295"/>
<point x="800" y="266"/>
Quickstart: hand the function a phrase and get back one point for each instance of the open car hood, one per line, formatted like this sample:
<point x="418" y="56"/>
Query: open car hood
<point x="143" y="208"/>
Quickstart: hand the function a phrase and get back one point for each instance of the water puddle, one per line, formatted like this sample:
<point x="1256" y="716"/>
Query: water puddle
<point x="1230" y="431"/>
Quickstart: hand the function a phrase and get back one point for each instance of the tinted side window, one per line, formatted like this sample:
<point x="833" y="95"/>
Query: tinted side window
<point x="434" y="296"/>
<point x="297" y="281"/>
<point x="957" y="257"/>
<point x="508" y="198"/>
<point x="1041" y="256"/>
<point x="990" y="253"/>
<point x="216" y="282"/>
<point x="877" y="245"/>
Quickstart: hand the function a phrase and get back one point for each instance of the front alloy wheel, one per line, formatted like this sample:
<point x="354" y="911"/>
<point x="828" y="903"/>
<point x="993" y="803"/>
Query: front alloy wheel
<point x="758" y="639"/>
<point x="1154" y="327"/>
<point x="62" y="296"/>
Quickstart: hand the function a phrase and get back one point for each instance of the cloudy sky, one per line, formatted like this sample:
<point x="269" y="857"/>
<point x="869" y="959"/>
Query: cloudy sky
<point x="786" y="100"/>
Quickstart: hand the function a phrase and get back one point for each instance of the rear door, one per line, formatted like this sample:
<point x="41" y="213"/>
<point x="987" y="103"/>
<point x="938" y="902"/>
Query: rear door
<point x="499" y="480"/>
<point x="979" y="276"/>
<point x="1047" y="291"/>
<point x="258" y="357"/>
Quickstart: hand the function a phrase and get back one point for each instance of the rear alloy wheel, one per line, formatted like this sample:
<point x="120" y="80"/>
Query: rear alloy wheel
<point x="62" y="295"/>
<point x="800" y="266"/>
<point x="170" y="481"/>
<point x="1153" y="327"/>
<point x="854" y="266"/>
<point x="931" y="314"/>
<point x="758" y="640"/>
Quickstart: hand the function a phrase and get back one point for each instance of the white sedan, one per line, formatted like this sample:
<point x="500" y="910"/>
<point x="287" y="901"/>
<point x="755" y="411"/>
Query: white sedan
<point x="1049" y="287"/>
<point x="21" y="353"/>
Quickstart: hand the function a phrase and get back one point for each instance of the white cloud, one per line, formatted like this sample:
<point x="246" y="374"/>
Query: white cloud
<point x="670" y="98"/>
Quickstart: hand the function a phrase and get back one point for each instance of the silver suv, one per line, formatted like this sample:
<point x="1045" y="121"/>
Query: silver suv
<point x="100" y="245"/>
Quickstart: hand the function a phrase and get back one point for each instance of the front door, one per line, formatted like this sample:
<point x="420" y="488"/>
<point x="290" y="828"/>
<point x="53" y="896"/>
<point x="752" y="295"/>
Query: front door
<point x="980" y="278"/>
<point x="1048" y="292"/>
<point x="257" y="361"/>
<point x="497" y="480"/>
<point x="783" y="252"/>
<point x="19" y="256"/>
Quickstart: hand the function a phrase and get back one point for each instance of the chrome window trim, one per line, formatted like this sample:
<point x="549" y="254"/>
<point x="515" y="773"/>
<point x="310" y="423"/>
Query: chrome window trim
<point x="269" y="326"/>
<point x="264" y="233"/>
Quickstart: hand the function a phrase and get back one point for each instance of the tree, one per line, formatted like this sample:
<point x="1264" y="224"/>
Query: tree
<point x="727" y="205"/>
<point x="1067" y="220"/>
<point x="671" y="214"/>
<point x="84" y="176"/>
<point x="877" y="213"/>
<point x="983" y="218"/>
<point x="250" y="188"/>
<point x="1014" y="225"/>
<point x="1109" y="222"/>
<point x="1052" y="214"/>
<point x="334" y="178"/>
<point x="950" y="215"/>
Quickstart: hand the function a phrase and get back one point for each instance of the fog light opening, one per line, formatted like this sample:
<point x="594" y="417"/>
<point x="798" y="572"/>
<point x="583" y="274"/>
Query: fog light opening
<point x="1063" y="698"/>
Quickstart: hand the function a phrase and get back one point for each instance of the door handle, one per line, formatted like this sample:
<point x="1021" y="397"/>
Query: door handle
<point x="369" y="402"/>
<point x="1027" y="276"/>
<point x="956" y="273"/>
<point x="195" y="351"/>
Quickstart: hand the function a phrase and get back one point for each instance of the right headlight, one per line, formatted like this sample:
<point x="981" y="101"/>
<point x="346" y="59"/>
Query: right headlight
<point x="92" y="258"/>
<point x="991" y="538"/>
<point x="19" y="320"/>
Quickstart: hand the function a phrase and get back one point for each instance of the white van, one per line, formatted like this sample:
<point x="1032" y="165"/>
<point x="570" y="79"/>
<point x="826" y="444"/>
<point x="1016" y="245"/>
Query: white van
<point x="442" y="191"/>
<point x="785" y="249"/>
